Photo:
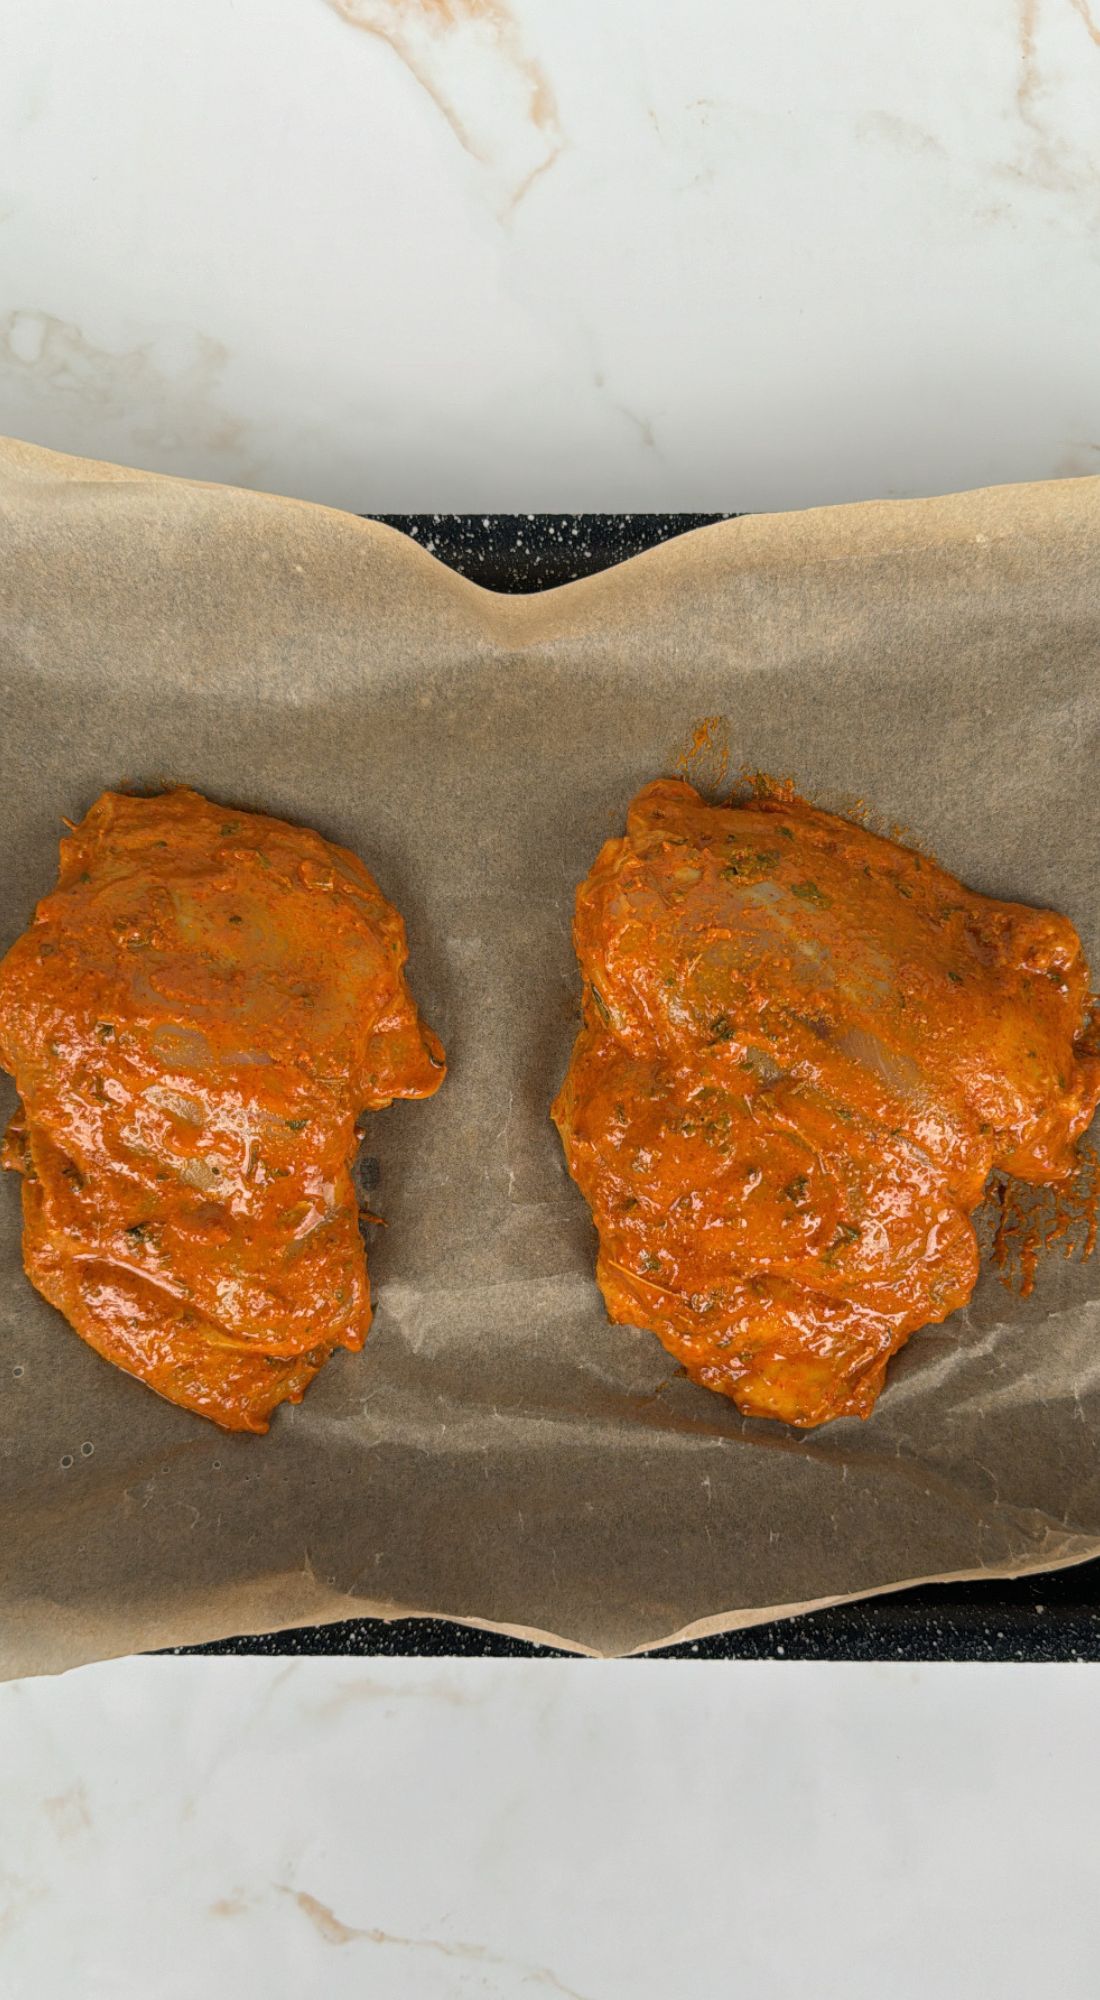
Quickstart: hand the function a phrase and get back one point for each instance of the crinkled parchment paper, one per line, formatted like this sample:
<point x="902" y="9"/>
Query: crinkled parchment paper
<point x="499" y="1453"/>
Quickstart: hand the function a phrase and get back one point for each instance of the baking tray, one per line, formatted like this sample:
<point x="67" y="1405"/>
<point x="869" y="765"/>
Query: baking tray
<point x="1035" y="1618"/>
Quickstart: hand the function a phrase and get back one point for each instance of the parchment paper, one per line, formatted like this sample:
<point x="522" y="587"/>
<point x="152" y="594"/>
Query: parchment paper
<point x="499" y="1453"/>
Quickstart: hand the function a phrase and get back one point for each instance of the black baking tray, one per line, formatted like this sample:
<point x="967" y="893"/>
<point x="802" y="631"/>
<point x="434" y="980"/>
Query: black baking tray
<point x="1045" y="1617"/>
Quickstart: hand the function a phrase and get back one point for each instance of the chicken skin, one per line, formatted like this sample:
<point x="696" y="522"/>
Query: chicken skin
<point x="804" y="1048"/>
<point x="194" y="1019"/>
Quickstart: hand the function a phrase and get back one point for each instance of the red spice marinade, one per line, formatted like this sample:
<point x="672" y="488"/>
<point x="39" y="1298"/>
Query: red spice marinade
<point x="805" y="1047"/>
<point x="1030" y="1223"/>
<point x="195" y="1018"/>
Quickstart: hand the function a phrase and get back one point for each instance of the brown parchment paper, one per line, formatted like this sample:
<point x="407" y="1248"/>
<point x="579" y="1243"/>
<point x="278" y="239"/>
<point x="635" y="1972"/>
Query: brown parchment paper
<point x="499" y="1453"/>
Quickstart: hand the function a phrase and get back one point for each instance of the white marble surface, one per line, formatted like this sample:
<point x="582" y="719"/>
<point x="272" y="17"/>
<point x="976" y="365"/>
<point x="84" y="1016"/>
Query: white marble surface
<point x="465" y="254"/>
<point x="626" y="1831"/>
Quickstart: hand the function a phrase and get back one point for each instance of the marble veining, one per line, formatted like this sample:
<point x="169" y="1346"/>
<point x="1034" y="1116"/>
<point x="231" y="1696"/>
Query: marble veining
<point x="165" y="387"/>
<point x="492" y="255"/>
<point x="469" y="56"/>
<point x="331" y="1928"/>
<point x="594" y="1831"/>
<point x="1053" y="159"/>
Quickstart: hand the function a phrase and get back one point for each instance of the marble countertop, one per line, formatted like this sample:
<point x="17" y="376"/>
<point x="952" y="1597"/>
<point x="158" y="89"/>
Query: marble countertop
<point x="453" y="254"/>
<point x="264" y="1830"/>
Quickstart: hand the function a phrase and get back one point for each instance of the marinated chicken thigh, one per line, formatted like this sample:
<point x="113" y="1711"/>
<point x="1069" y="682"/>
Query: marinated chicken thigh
<point x="195" y="1018"/>
<point x="804" y="1048"/>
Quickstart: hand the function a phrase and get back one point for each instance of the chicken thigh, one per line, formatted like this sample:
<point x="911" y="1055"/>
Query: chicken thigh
<point x="804" y="1048"/>
<point x="194" y="1020"/>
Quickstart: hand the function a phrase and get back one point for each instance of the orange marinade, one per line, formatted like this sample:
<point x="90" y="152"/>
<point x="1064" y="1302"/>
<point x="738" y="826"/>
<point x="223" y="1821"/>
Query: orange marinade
<point x="804" y="1048"/>
<point x="194" y="1020"/>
